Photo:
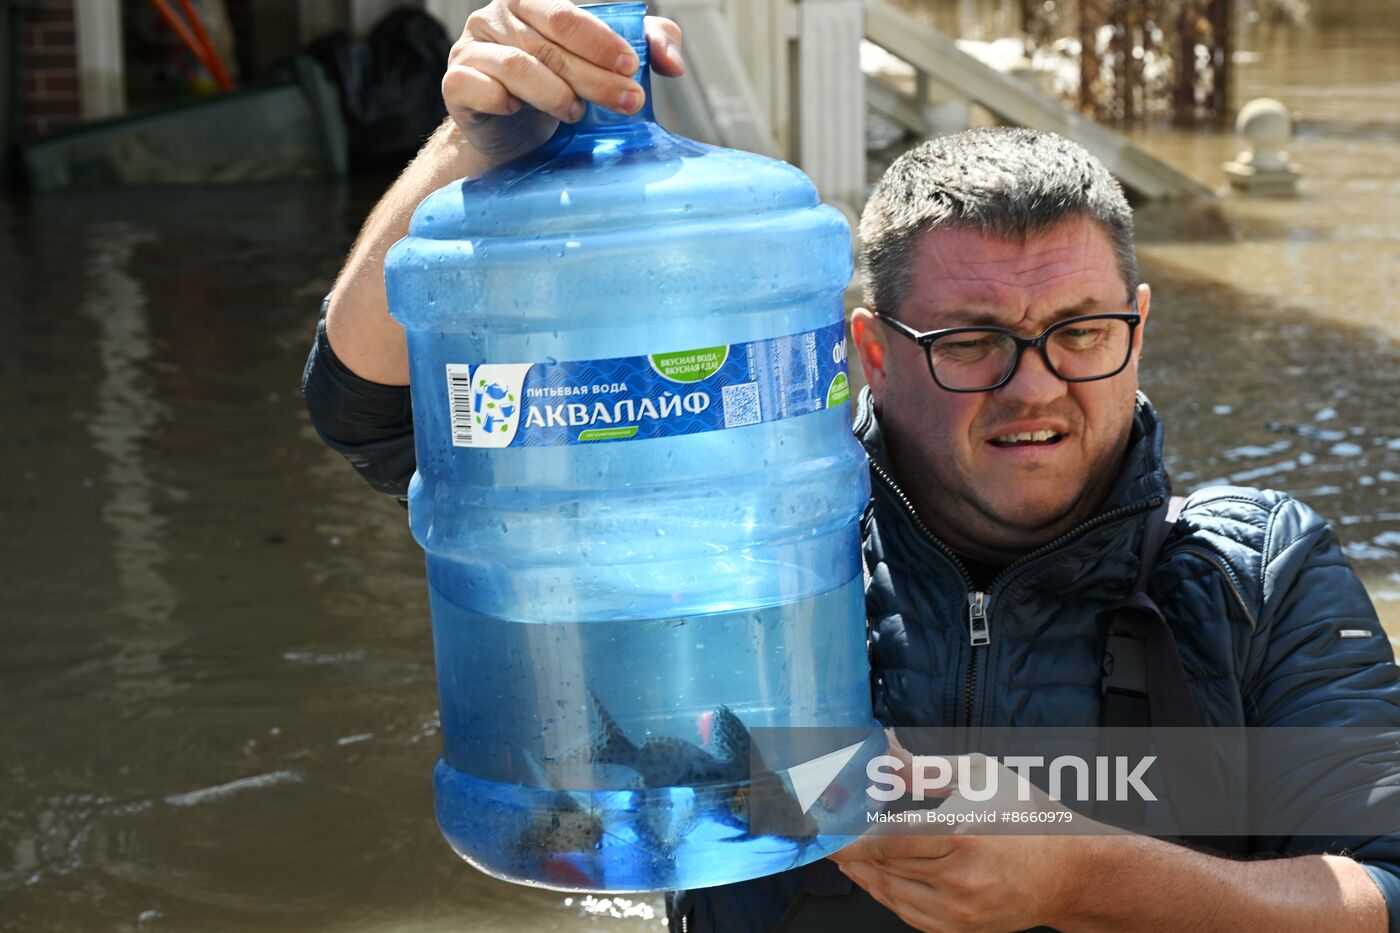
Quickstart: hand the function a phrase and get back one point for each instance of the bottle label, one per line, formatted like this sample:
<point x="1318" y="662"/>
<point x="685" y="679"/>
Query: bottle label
<point x="639" y="397"/>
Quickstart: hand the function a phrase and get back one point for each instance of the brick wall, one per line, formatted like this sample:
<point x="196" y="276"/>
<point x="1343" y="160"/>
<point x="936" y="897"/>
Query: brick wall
<point x="48" y="68"/>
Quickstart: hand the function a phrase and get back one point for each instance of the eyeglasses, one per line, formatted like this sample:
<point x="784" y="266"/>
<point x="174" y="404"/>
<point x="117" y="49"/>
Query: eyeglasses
<point x="980" y="359"/>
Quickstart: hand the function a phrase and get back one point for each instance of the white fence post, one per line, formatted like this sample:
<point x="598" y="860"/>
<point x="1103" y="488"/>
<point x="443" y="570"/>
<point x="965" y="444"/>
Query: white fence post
<point x="101" y="81"/>
<point x="831" y="99"/>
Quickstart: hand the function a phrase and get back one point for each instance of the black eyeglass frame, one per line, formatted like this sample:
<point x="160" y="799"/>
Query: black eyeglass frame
<point x="927" y="338"/>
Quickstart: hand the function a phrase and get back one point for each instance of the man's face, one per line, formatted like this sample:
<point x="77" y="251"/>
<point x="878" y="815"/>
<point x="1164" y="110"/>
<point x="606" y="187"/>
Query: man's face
<point x="983" y="496"/>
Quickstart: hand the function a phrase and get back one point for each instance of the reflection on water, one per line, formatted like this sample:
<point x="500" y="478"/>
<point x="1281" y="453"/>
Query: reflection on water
<point x="127" y="412"/>
<point x="215" y="655"/>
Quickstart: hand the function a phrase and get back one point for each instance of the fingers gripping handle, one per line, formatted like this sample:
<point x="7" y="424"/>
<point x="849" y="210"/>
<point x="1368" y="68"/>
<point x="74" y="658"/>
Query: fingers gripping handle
<point x="628" y="20"/>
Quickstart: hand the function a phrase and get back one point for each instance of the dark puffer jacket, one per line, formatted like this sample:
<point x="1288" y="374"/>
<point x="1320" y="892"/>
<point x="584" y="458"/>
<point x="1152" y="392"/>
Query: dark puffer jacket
<point x="1253" y="583"/>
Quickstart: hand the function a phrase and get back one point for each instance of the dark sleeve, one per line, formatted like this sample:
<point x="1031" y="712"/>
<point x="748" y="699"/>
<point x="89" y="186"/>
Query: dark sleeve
<point x="369" y="423"/>
<point x="1309" y="676"/>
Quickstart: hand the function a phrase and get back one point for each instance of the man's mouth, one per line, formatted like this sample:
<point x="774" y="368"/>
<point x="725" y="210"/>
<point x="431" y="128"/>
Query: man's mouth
<point x="1028" y="439"/>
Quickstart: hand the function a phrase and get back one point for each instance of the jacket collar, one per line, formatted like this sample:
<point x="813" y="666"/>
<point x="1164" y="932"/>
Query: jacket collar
<point x="1143" y="475"/>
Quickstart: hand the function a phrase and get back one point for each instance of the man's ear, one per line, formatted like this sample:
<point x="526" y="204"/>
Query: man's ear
<point x="1144" y="304"/>
<point x="870" y="345"/>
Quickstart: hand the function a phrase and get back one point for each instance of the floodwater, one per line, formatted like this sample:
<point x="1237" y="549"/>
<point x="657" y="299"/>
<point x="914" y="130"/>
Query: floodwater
<point x="219" y="711"/>
<point x="1275" y="336"/>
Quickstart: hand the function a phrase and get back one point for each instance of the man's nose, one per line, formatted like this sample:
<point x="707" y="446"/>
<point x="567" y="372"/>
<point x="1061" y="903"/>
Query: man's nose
<point x="1033" y="383"/>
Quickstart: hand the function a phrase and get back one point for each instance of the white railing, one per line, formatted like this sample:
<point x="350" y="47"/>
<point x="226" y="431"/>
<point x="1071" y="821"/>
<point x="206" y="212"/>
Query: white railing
<point x="831" y="100"/>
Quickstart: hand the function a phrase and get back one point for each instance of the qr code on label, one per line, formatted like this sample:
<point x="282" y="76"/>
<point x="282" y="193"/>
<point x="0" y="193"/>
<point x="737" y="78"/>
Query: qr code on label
<point x="741" y="405"/>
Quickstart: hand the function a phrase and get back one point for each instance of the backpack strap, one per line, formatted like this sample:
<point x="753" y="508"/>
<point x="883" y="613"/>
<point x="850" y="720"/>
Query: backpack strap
<point x="1143" y="680"/>
<point x="1144" y="685"/>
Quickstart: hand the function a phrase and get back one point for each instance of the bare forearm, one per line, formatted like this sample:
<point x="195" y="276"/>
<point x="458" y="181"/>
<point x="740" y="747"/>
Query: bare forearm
<point x="358" y="324"/>
<point x="1145" y="884"/>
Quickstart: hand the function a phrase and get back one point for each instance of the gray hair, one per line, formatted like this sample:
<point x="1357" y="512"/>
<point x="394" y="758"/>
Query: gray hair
<point x="1002" y="182"/>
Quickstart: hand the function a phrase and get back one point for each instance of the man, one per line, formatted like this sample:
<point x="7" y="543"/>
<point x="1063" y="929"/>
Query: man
<point x="1014" y="467"/>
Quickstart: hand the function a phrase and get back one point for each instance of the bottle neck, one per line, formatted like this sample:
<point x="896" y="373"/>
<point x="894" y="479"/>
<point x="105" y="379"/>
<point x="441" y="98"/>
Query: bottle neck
<point x="628" y="21"/>
<point x="597" y="117"/>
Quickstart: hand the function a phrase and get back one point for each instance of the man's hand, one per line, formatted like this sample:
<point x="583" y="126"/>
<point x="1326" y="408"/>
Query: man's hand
<point x="953" y="882"/>
<point x="522" y="66"/>
<point x="946" y="876"/>
<point x="960" y="877"/>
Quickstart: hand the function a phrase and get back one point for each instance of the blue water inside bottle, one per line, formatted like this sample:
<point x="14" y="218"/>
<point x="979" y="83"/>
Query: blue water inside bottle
<point x="638" y="496"/>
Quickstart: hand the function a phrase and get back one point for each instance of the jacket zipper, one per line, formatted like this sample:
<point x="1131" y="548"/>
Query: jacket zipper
<point x="1143" y="505"/>
<point x="919" y="523"/>
<point x="979" y="625"/>
<point x="979" y="603"/>
<point x="979" y="634"/>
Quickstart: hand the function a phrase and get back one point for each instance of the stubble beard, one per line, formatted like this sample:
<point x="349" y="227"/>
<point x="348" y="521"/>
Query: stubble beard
<point x="976" y="524"/>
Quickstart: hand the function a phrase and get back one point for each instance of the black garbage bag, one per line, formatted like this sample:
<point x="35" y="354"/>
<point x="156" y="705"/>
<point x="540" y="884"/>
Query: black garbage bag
<point x="390" y="86"/>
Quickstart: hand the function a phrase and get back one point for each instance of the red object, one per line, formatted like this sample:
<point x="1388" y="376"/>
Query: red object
<point x="197" y="41"/>
<point x="214" y="63"/>
<point x="561" y="869"/>
<point x="705" y="724"/>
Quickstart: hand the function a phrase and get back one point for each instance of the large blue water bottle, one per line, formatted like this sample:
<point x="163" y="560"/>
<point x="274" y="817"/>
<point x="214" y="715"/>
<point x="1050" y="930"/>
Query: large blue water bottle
<point x="639" y="497"/>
